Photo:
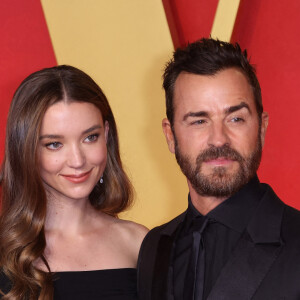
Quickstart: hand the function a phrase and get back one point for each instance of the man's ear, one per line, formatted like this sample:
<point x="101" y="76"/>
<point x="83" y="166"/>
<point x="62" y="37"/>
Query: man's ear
<point x="167" y="129"/>
<point x="264" y="126"/>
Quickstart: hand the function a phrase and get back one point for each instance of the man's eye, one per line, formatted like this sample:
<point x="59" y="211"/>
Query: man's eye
<point x="53" y="146"/>
<point x="92" y="138"/>
<point x="237" y="119"/>
<point x="198" y="122"/>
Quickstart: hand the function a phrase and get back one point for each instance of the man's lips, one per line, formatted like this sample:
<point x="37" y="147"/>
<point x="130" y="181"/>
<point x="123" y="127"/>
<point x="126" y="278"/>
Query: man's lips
<point x="220" y="161"/>
<point x="78" y="178"/>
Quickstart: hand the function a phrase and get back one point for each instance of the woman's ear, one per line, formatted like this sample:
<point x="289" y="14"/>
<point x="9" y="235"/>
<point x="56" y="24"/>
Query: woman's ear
<point x="106" y="130"/>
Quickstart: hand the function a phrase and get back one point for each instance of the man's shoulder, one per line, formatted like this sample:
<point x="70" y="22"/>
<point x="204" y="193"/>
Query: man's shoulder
<point x="290" y="220"/>
<point x="149" y="250"/>
<point x="291" y="215"/>
<point x="168" y="229"/>
<point x="291" y="224"/>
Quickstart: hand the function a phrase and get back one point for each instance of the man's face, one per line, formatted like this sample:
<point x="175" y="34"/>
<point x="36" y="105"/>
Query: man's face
<point x="216" y="136"/>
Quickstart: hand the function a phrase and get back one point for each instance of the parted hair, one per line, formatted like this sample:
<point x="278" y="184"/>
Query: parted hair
<point x="208" y="56"/>
<point x="23" y="197"/>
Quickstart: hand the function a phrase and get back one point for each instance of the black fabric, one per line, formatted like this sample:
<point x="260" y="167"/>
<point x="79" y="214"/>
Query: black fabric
<point x="264" y="264"/>
<point x="5" y="284"/>
<point x="194" y="279"/>
<point x="111" y="284"/>
<point x="225" y="225"/>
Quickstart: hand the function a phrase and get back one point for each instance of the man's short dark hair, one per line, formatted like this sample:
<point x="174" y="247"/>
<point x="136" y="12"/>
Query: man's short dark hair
<point x="207" y="57"/>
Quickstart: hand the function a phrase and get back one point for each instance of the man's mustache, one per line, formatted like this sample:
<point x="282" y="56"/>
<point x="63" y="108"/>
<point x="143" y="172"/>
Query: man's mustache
<point x="218" y="152"/>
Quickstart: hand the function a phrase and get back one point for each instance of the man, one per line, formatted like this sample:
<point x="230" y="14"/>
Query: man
<point x="236" y="240"/>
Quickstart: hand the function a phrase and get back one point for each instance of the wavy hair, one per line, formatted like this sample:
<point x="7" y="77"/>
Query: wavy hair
<point x="22" y="236"/>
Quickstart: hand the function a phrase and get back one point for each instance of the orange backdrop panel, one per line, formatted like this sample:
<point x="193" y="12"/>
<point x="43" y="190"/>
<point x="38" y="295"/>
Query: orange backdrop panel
<point x="269" y="29"/>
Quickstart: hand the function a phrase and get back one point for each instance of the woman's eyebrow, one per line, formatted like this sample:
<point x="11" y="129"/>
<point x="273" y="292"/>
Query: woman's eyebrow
<point x="50" y="136"/>
<point x="91" y="129"/>
<point x="55" y="136"/>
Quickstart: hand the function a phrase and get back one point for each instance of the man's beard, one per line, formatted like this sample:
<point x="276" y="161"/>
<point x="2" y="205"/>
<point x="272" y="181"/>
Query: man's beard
<point x="219" y="183"/>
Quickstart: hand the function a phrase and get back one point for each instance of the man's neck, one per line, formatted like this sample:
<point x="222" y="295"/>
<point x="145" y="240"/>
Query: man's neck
<point x="204" y="204"/>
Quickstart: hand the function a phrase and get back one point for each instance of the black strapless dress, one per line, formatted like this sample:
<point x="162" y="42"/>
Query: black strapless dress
<point x="111" y="284"/>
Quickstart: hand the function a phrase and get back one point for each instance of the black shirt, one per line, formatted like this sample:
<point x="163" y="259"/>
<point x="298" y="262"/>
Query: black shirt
<point x="225" y="225"/>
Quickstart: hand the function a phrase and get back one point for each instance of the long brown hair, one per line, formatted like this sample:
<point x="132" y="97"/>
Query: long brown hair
<point x="22" y="237"/>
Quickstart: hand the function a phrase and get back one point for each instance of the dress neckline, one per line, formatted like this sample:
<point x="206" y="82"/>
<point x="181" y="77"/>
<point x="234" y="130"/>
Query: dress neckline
<point x="94" y="271"/>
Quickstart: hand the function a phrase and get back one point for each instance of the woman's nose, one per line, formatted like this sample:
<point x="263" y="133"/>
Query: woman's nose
<point x="76" y="157"/>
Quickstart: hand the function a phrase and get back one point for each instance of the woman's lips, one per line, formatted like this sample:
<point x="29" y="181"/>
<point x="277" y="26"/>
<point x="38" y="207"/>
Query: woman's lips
<point x="79" y="178"/>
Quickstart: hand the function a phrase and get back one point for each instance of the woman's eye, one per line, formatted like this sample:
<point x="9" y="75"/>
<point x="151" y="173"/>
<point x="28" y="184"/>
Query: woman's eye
<point x="53" y="146"/>
<point x="92" y="138"/>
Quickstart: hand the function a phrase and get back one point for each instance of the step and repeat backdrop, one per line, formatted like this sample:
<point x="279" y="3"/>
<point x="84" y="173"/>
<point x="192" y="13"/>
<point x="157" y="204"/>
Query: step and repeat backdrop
<point x="124" y="46"/>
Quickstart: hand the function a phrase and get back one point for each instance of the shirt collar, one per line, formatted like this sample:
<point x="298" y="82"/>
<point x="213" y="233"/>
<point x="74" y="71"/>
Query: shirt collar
<point x="236" y="211"/>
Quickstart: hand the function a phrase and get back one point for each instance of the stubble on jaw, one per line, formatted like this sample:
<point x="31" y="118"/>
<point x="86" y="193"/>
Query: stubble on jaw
<point x="219" y="183"/>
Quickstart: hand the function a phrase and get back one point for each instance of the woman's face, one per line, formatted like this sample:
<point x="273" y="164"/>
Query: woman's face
<point x="72" y="149"/>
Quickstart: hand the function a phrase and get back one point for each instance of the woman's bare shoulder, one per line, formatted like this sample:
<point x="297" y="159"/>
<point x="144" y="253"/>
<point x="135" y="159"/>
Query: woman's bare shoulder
<point x="129" y="236"/>
<point x="130" y="230"/>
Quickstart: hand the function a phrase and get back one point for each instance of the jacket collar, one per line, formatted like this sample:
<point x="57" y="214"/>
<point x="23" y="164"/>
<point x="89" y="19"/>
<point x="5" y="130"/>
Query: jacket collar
<point x="265" y="225"/>
<point x="255" y="253"/>
<point x="171" y="228"/>
<point x="237" y="278"/>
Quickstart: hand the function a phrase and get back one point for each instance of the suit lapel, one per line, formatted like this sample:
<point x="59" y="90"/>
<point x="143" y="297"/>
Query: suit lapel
<point x="162" y="269"/>
<point x="162" y="275"/>
<point x="244" y="271"/>
<point x="254" y="254"/>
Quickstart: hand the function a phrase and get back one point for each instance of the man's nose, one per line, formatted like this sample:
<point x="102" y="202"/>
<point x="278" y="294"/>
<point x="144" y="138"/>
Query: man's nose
<point x="76" y="157"/>
<point x="218" y="135"/>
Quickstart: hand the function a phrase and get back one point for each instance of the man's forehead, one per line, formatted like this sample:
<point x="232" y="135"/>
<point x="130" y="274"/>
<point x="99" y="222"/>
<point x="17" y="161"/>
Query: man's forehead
<point x="224" y="89"/>
<point x="222" y="75"/>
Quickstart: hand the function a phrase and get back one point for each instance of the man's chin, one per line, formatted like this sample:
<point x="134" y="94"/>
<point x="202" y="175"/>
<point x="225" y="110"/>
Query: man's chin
<point x="218" y="184"/>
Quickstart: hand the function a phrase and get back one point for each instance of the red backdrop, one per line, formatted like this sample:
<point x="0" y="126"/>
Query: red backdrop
<point x="189" y="19"/>
<point x="25" y="48"/>
<point x="268" y="29"/>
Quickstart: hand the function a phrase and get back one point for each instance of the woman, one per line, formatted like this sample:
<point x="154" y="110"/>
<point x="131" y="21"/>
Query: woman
<point x="62" y="188"/>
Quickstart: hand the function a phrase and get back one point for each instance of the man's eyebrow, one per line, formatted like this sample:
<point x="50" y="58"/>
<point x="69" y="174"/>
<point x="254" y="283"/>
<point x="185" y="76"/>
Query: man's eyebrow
<point x="55" y="136"/>
<point x="232" y="109"/>
<point x="195" y="114"/>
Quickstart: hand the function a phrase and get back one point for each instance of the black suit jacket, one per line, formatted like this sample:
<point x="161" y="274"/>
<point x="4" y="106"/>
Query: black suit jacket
<point x="265" y="264"/>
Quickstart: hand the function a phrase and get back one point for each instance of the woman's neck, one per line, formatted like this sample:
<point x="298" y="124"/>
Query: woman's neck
<point x="71" y="216"/>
